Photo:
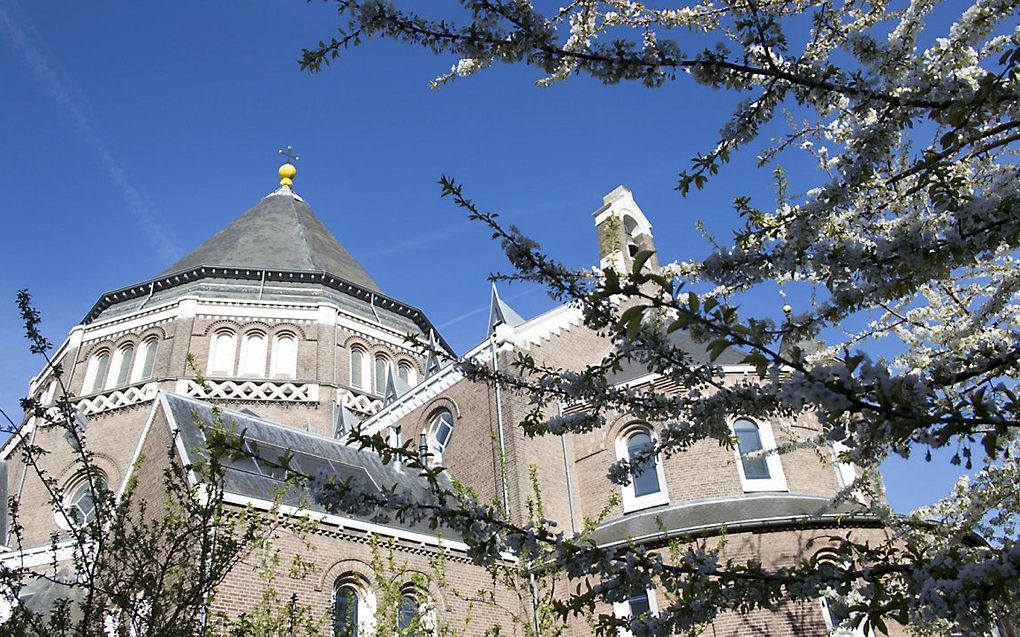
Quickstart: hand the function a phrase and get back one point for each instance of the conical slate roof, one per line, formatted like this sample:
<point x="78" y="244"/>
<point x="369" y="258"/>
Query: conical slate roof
<point x="279" y="233"/>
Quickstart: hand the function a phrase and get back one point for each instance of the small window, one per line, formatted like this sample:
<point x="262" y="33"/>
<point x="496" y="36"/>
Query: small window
<point x="406" y="373"/>
<point x="646" y="481"/>
<point x="345" y="612"/>
<point x="147" y="361"/>
<point x="382" y="369"/>
<point x="440" y="432"/>
<point x="80" y="505"/>
<point x="407" y="616"/>
<point x="759" y="470"/>
<point x="95" y="374"/>
<point x="253" y="355"/>
<point x="647" y="487"/>
<point x="357" y="367"/>
<point x="125" y="357"/>
<point x="221" y="354"/>
<point x="285" y="356"/>
<point x="749" y="442"/>
<point x="640" y="603"/>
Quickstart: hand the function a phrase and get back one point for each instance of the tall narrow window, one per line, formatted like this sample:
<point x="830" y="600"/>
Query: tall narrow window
<point x="125" y="356"/>
<point x="95" y="374"/>
<point x="147" y="361"/>
<point x="382" y="368"/>
<point x="358" y="367"/>
<point x="345" y="612"/>
<point x="647" y="486"/>
<point x="759" y="466"/>
<point x="645" y="480"/>
<point x="253" y="355"/>
<point x="406" y="373"/>
<point x="221" y="354"/>
<point x="407" y="615"/>
<point x="748" y="442"/>
<point x="285" y="356"/>
<point x="440" y="432"/>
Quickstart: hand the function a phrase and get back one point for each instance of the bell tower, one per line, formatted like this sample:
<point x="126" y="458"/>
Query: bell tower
<point x="623" y="231"/>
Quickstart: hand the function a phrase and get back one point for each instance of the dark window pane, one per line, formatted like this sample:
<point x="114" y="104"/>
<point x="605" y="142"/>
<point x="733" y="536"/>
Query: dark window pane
<point x="749" y="441"/>
<point x="149" y="360"/>
<point x="407" y="615"/>
<point x="639" y="604"/>
<point x="345" y="612"/>
<point x="646" y="481"/>
<point x="127" y="356"/>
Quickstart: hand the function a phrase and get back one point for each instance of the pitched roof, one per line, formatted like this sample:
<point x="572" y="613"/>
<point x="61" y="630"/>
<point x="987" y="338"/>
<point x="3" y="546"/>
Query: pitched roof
<point x="316" y="457"/>
<point x="279" y="233"/>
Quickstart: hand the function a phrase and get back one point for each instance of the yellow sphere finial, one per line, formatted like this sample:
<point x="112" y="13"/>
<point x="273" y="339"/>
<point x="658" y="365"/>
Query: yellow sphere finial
<point x="288" y="171"/>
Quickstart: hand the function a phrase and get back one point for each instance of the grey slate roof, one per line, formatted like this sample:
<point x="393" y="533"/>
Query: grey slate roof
<point x="279" y="233"/>
<point x="747" y="511"/>
<point x="681" y="339"/>
<point x="311" y="455"/>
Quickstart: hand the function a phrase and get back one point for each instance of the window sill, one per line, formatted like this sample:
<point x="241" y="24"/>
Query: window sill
<point x="631" y="504"/>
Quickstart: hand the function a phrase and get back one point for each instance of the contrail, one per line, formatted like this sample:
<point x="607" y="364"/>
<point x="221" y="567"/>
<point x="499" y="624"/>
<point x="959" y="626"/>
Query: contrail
<point x="485" y="308"/>
<point x="21" y="38"/>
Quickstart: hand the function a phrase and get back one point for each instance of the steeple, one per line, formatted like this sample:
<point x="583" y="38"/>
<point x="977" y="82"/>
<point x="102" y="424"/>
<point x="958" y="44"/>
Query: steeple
<point x="279" y="233"/>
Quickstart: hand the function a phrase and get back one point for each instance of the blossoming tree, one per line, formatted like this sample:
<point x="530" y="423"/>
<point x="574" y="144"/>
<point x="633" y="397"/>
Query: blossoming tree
<point x="910" y="230"/>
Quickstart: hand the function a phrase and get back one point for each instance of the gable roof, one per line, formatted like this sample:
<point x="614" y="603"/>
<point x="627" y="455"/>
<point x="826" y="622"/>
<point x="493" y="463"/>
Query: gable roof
<point x="278" y="233"/>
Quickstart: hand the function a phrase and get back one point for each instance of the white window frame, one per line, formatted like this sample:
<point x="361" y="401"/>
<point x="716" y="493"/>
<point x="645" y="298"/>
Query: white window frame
<point x="622" y="609"/>
<point x="632" y="502"/>
<point x="777" y="478"/>
<point x="138" y="372"/>
<point x="434" y="449"/>
<point x="376" y="387"/>
<point x="412" y="375"/>
<point x="212" y="354"/>
<point x="113" y="379"/>
<point x="834" y="629"/>
<point x="366" y="371"/>
<point x="92" y="384"/>
<point x="248" y="357"/>
<point x="366" y="604"/>
<point x="276" y="362"/>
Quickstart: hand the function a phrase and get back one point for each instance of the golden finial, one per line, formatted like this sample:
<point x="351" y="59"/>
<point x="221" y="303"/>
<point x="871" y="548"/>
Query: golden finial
<point x="288" y="171"/>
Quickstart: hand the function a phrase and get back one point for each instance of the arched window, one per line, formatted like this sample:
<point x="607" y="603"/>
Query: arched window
<point x="221" y="353"/>
<point x="147" y="361"/>
<point x="748" y="442"/>
<point x="759" y="470"/>
<point x="357" y="367"/>
<point x="80" y="505"/>
<point x="285" y="356"/>
<point x="253" y="355"/>
<point x="647" y="487"/>
<point x="382" y="369"/>
<point x="440" y="431"/>
<point x="95" y="373"/>
<point x="125" y="356"/>
<point x="407" y="616"/>
<point x="646" y="480"/>
<point x="406" y="373"/>
<point x="345" y="611"/>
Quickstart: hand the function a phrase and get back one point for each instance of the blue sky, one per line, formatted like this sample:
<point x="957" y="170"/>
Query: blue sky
<point x="134" y="131"/>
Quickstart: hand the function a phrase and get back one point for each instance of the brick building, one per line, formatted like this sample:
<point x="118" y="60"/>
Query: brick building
<point x="297" y="343"/>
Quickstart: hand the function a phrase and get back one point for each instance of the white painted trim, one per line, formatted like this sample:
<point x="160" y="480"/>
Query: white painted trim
<point x="39" y="556"/>
<point x="348" y="523"/>
<point x="777" y="478"/>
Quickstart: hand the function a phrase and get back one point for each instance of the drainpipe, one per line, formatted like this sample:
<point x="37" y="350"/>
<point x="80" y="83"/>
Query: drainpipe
<point x="499" y="428"/>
